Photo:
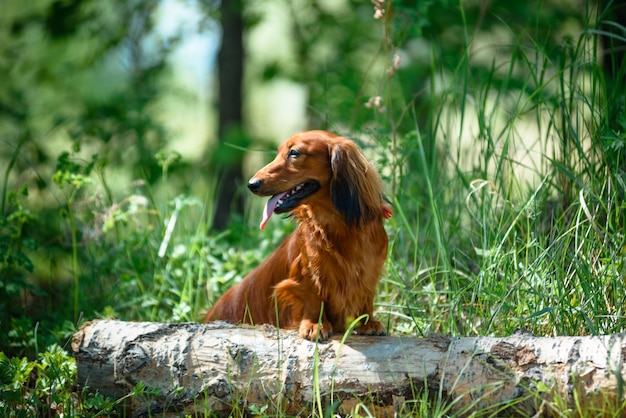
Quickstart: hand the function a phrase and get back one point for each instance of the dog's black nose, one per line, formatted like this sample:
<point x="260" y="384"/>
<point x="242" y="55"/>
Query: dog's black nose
<point x="254" y="185"/>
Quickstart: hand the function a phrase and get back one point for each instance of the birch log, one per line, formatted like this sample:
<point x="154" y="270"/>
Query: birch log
<point x="217" y="367"/>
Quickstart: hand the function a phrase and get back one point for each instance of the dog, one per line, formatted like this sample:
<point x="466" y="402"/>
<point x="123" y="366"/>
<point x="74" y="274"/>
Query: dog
<point x="324" y="275"/>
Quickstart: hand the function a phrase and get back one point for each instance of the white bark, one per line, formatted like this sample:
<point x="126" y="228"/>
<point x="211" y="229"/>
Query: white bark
<point x="219" y="367"/>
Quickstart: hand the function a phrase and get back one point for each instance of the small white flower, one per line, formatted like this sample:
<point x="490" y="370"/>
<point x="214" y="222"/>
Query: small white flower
<point x="395" y="64"/>
<point x="375" y="102"/>
<point x="379" y="8"/>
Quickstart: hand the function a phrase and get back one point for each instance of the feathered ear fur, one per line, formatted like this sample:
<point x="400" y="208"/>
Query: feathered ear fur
<point x="355" y="186"/>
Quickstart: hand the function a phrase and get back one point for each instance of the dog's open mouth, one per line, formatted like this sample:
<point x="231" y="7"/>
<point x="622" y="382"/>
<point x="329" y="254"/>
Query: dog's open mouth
<point x="286" y="201"/>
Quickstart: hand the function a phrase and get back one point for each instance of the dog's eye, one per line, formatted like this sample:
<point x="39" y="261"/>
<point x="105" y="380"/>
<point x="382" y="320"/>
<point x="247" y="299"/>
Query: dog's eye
<point x="293" y="153"/>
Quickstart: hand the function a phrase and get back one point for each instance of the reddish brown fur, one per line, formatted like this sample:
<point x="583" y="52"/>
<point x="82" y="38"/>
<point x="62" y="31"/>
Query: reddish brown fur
<point x="325" y="261"/>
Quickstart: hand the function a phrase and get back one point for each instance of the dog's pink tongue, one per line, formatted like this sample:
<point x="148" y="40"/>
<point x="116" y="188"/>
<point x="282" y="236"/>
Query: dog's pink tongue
<point x="268" y="210"/>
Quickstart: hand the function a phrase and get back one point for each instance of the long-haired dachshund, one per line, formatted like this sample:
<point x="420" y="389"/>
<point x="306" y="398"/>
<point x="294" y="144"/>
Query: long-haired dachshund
<point x="324" y="275"/>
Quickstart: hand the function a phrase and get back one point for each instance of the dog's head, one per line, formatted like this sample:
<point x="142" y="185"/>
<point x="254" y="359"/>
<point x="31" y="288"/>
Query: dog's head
<point x="325" y="171"/>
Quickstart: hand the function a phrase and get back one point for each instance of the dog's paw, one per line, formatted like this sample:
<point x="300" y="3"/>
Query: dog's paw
<point x="313" y="331"/>
<point x="371" y="327"/>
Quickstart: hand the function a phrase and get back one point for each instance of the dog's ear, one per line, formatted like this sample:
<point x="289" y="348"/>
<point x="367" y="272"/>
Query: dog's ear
<point x="343" y="188"/>
<point x="355" y="187"/>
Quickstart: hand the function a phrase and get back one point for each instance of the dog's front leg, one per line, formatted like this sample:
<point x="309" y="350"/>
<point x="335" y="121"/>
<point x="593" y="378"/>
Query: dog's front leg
<point x="370" y="325"/>
<point x="314" y="329"/>
<point x="305" y="309"/>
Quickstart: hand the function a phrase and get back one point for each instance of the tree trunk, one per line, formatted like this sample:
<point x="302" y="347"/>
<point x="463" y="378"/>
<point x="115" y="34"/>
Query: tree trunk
<point x="230" y="79"/>
<point x="224" y="369"/>
<point x="613" y="39"/>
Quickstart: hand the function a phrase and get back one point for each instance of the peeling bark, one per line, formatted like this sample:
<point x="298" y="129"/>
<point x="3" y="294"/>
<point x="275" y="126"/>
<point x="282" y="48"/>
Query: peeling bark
<point x="219" y="368"/>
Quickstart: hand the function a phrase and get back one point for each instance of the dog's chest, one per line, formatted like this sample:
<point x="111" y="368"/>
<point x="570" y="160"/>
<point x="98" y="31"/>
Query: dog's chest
<point x="345" y="257"/>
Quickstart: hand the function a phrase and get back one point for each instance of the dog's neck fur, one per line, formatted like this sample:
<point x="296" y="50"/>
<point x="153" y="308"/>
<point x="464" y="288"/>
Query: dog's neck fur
<point x="321" y="214"/>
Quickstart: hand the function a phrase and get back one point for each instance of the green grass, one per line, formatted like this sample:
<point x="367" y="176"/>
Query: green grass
<point x="509" y="213"/>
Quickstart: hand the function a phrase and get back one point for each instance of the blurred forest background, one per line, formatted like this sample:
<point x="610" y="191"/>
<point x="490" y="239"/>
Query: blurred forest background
<point x="128" y="129"/>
